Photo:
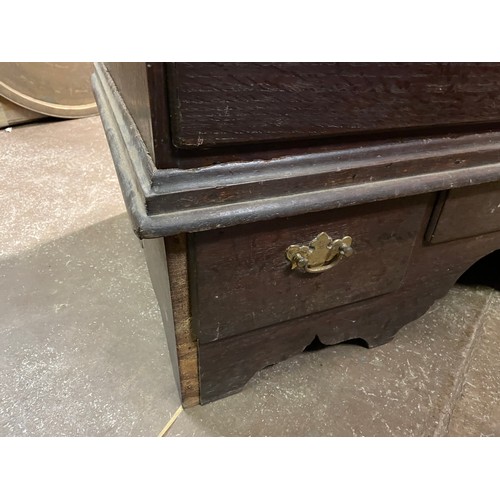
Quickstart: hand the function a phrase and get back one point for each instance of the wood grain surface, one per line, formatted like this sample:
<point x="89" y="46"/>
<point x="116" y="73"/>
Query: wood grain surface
<point x="241" y="280"/>
<point x="187" y="348"/>
<point x="237" y="103"/>
<point x="286" y="150"/>
<point x="226" y="365"/>
<point x="469" y="211"/>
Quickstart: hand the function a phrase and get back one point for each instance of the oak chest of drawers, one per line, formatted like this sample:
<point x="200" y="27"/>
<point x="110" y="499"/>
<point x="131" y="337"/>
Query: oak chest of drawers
<point x="283" y="203"/>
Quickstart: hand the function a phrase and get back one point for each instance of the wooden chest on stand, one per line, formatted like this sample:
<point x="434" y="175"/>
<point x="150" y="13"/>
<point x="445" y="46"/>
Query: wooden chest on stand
<point x="283" y="203"/>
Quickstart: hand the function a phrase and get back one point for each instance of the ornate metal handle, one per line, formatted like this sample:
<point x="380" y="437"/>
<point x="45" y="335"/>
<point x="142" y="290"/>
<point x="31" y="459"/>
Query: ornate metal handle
<point x="321" y="254"/>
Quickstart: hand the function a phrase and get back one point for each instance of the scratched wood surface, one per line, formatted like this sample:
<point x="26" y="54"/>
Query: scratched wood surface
<point x="469" y="211"/>
<point x="226" y="365"/>
<point x="241" y="280"/>
<point x="187" y="348"/>
<point x="237" y="103"/>
<point x="232" y="286"/>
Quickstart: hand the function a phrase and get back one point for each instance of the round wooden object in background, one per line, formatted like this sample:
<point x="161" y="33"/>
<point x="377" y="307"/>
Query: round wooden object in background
<point x="62" y="90"/>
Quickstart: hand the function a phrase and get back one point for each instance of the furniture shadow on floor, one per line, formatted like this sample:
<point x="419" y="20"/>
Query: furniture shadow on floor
<point x="83" y="348"/>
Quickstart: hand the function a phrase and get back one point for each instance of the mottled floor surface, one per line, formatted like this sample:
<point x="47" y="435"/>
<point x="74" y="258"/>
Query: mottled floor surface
<point x="82" y="350"/>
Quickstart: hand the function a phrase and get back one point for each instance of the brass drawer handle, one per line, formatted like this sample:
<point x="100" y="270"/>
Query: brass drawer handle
<point x="321" y="254"/>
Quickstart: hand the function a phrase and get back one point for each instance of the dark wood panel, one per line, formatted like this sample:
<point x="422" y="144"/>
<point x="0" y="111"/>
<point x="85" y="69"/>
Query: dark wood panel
<point x="168" y="202"/>
<point x="337" y="168"/>
<point x="469" y="211"/>
<point x="241" y="279"/>
<point x="226" y="365"/>
<point x="143" y="86"/>
<point x="224" y="103"/>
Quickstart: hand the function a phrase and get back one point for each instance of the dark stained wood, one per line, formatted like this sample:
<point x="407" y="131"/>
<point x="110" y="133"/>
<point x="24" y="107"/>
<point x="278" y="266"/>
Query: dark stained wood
<point x="341" y="167"/>
<point x="170" y="201"/>
<point x="398" y="156"/>
<point x="164" y="154"/>
<point x="142" y="88"/>
<point x="241" y="279"/>
<point x="469" y="211"/>
<point x="436" y="213"/>
<point x="189" y="159"/>
<point x="130" y="79"/>
<point x="228" y="364"/>
<point x="224" y="103"/>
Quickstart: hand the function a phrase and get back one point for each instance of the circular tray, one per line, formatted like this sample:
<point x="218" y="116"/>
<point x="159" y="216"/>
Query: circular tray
<point x="62" y="90"/>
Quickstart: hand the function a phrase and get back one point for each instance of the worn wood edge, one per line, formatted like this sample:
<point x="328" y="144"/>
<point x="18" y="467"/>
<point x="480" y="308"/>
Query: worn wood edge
<point x="340" y="158"/>
<point x="424" y="150"/>
<point x="135" y="171"/>
<point x="187" y="347"/>
<point x="165" y="153"/>
<point x="108" y="96"/>
<point x="436" y="214"/>
<point x="133" y="193"/>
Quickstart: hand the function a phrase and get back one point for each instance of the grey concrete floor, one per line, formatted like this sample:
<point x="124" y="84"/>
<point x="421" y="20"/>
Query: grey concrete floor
<point x="82" y="349"/>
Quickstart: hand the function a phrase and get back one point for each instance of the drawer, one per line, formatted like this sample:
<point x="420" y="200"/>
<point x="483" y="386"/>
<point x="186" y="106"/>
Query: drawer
<point x="466" y="212"/>
<point x="213" y="104"/>
<point x="241" y="279"/>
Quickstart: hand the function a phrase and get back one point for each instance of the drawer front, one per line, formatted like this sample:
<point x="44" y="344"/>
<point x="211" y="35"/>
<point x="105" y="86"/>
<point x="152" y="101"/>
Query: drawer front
<point x="236" y="103"/>
<point x="467" y="212"/>
<point x="241" y="278"/>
